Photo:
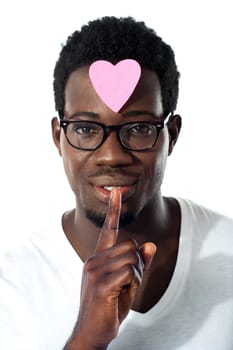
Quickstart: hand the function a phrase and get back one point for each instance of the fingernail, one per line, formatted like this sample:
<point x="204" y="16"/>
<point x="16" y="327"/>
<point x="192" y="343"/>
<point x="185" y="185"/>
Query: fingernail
<point x="111" y="195"/>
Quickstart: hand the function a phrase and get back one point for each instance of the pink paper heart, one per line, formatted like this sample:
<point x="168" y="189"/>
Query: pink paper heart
<point x="115" y="83"/>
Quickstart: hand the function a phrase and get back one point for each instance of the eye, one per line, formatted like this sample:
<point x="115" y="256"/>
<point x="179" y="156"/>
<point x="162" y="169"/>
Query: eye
<point x="141" y="129"/>
<point x="85" y="130"/>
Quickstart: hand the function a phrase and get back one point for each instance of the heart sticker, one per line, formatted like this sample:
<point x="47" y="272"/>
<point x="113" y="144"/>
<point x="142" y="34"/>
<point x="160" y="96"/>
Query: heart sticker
<point x="115" y="83"/>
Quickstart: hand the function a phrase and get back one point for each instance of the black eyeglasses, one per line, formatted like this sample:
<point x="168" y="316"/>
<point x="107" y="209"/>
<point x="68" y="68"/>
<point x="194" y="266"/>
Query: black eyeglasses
<point x="134" y="136"/>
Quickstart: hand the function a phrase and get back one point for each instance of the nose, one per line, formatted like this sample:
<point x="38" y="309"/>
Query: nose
<point x="112" y="153"/>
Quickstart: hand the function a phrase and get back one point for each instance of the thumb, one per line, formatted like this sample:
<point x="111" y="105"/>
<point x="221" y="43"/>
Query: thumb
<point x="148" y="251"/>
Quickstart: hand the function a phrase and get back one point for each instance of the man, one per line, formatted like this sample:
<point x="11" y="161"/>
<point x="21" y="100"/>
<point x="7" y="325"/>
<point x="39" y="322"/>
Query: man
<point x="127" y="268"/>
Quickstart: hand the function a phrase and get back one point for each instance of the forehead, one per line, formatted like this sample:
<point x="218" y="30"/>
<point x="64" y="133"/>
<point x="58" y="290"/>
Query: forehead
<point x="80" y="94"/>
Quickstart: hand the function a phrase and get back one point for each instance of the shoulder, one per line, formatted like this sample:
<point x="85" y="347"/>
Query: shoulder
<point x="201" y="214"/>
<point x="22" y="254"/>
<point x="207" y="227"/>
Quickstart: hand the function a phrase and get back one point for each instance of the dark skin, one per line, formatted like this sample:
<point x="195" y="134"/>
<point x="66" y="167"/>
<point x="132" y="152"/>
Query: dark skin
<point x="121" y="270"/>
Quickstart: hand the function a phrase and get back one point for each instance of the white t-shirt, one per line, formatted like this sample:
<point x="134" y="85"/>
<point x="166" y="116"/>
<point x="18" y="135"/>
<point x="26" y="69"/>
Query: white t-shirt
<point x="40" y="284"/>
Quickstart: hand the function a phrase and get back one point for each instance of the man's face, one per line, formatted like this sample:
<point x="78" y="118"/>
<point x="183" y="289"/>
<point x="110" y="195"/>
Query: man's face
<point x="92" y="173"/>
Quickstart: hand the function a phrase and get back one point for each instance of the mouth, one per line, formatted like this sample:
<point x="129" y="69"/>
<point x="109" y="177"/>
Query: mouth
<point x="103" y="192"/>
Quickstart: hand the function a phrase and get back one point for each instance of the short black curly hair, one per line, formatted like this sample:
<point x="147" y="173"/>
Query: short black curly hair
<point x="113" y="39"/>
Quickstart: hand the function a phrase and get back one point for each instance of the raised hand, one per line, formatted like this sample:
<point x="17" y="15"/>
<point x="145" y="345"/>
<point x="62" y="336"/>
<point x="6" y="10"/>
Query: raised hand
<point x="109" y="283"/>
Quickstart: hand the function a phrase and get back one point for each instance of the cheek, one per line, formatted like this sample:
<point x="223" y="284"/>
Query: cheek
<point x="156" y="164"/>
<point x="154" y="173"/>
<point x="72" y="162"/>
<point x="70" y="171"/>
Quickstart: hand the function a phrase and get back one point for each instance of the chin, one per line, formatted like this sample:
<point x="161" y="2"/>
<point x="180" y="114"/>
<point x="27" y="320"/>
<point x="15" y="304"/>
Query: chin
<point x="98" y="219"/>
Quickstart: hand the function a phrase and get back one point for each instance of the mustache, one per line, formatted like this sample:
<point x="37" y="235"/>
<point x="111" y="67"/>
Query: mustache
<point x="109" y="171"/>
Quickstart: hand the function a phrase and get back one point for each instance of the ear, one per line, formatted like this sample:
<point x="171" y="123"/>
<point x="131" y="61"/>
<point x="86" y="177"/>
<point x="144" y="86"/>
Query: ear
<point x="56" y="133"/>
<point x="174" y="127"/>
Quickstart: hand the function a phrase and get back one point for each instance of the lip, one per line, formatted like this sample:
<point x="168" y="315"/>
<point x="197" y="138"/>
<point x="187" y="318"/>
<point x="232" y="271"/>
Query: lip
<point x="103" y="195"/>
<point x="126" y="183"/>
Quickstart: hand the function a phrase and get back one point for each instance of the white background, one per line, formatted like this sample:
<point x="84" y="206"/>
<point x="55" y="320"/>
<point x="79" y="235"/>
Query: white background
<point x="33" y="184"/>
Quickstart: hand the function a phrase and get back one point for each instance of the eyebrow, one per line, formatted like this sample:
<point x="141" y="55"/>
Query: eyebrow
<point x="84" y="114"/>
<point x="136" y="113"/>
<point x="125" y="114"/>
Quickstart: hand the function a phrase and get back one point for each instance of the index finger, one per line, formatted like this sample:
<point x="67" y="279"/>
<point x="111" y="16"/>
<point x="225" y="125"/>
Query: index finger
<point x="109" y="232"/>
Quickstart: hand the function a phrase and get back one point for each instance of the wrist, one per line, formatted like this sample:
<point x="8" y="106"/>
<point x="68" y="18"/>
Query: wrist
<point x="75" y="343"/>
<point x="75" y="346"/>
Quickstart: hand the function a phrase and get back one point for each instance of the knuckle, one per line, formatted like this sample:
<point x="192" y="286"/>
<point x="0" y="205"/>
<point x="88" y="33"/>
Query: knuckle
<point x="91" y="263"/>
<point x="135" y="257"/>
<point x="132" y="275"/>
<point x="132" y="244"/>
<point x="134" y="269"/>
<point x="130" y="270"/>
<point x="88" y="265"/>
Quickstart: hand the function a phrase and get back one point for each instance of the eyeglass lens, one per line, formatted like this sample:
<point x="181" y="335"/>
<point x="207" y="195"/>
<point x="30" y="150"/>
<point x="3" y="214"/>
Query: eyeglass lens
<point x="87" y="135"/>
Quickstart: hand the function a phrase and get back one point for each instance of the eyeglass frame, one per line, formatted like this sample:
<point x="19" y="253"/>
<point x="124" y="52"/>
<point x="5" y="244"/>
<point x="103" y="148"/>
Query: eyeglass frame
<point x="64" y="123"/>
